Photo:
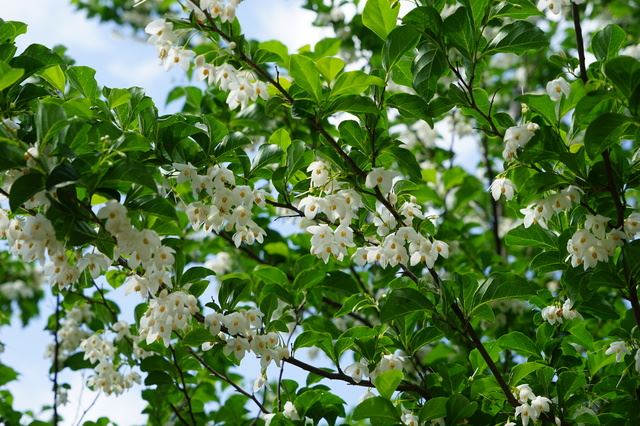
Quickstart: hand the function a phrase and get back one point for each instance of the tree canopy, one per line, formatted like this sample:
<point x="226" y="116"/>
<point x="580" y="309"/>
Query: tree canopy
<point x="437" y="206"/>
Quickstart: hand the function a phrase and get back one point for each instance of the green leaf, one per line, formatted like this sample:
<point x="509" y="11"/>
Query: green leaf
<point x="403" y="301"/>
<point x="7" y="374"/>
<point x="354" y="83"/>
<point x="330" y="67"/>
<point x="280" y="138"/>
<point x="35" y="58"/>
<point x="377" y="408"/>
<point x="542" y="105"/>
<point x="434" y="408"/>
<point x="459" y="408"/>
<point x="401" y="40"/>
<point x="519" y="342"/>
<point x="8" y="75"/>
<point x="521" y="371"/>
<point x="83" y="79"/>
<point x="267" y="154"/>
<point x="501" y="286"/>
<point x="410" y="106"/>
<point x="158" y="378"/>
<point x="517" y="9"/>
<point x="429" y="66"/>
<point x="380" y="16"/>
<point x="460" y="31"/>
<point x="25" y="187"/>
<point x="306" y="75"/>
<point x="9" y="30"/>
<point x="624" y="72"/>
<point x="604" y="132"/>
<point x="607" y="42"/>
<point x="568" y="383"/>
<point x="297" y="157"/>
<point x="424" y="19"/>
<point x="534" y="236"/>
<point x="518" y="37"/>
<point x="55" y="76"/>
<point x="387" y="382"/>
<point x="270" y="274"/>
<point x="196" y="273"/>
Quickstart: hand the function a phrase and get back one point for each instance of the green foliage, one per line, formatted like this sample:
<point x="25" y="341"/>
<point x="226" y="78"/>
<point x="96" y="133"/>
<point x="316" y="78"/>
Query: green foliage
<point x="407" y="277"/>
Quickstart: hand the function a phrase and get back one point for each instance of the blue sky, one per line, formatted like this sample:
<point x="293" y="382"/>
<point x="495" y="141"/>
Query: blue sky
<point x="119" y="61"/>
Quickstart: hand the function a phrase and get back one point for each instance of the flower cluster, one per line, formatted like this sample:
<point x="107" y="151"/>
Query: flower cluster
<point x="392" y="251"/>
<point x="167" y="312"/>
<point x="360" y="369"/>
<point x="230" y="207"/>
<point x="559" y="313"/>
<point x="542" y="210"/>
<point x="139" y="248"/>
<point x="242" y="85"/>
<point x="107" y="376"/>
<point x="225" y="10"/>
<point x="594" y="244"/>
<point x="342" y="205"/>
<point x="34" y="239"/>
<point x="517" y="137"/>
<point x="70" y="333"/>
<point x="242" y="332"/>
<point x="532" y="406"/>
<point x="326" y="241"/>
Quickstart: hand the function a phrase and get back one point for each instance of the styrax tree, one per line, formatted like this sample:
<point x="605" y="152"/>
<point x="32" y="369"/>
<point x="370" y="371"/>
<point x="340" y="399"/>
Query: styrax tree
<point x="315" y="199"/>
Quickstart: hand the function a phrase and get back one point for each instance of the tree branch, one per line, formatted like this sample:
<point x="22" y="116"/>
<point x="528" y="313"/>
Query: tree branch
<point x="405" y="387"/>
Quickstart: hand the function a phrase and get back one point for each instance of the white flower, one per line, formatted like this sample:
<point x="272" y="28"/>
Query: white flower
<point x="409" y="419"/>
<point x="550" y="314"/>
<point x="540" y="404"/>
<point x="632" y="225"/>
<point x="619" y="348"/>
<point x="178" y="56"/>
<point x="597" y="225"/>
<point x="526" y="412"/>
<point x="637" y="359"/>
<point x="381" y="178"/>
<point x="290" y="411"/>
<point x="524" y="393"/>
<point x="520" y="135"/>
<point x="311" y="206"/>
<point x="95" y="263"/>
<point x="558" y="87"/>
<point x="357" y="370"/>
<point x="502" y="186"/>
<point x="319" y="171"/>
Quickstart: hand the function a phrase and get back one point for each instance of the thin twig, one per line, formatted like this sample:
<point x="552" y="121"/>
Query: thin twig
<point x="56" y="352"/>
<point x="184" y="384"/>
<point x="84" y="413"/>
<point x="227" y="380"/>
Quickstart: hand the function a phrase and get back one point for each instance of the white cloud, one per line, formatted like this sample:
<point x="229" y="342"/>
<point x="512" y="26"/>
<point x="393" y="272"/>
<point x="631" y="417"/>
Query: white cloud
<point x="283" y="20"/>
